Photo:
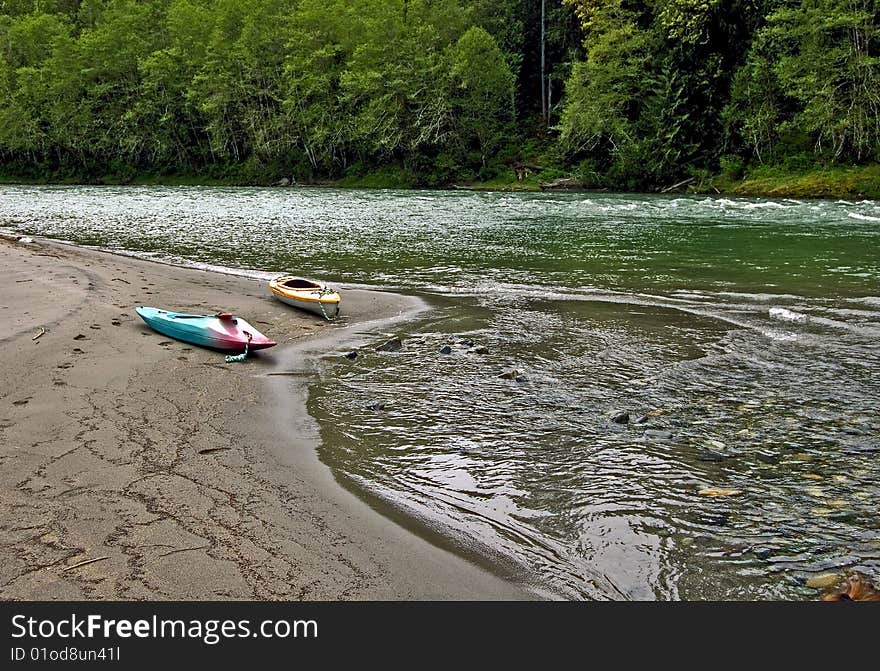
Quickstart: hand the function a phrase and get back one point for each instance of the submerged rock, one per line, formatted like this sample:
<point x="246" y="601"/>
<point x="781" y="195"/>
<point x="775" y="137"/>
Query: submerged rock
<point x="715" y="518"/>
<point x="620" y="418"/>
<point x="393" y="345"/>
<point x="511" y="374"/>
<point x="857" y="589"/>
<point x="659" y="434"/>
<point x="713" y="491"/>
<point x="446" y="349"/>
<point x="762" y="553"/>
<point x="824" y="580"/>
<point x="482" y="349"/>
<point x="380" y="405"/>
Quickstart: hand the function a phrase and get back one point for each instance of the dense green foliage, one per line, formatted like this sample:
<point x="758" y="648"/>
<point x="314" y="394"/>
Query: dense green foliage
<point x="640" y="93"/>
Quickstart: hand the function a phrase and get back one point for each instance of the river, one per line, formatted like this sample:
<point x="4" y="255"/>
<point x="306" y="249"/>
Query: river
<point x="741" y="337"/>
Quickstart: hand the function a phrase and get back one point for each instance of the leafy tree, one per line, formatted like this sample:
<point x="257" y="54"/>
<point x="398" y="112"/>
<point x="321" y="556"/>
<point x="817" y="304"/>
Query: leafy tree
<point x="815" y="69"/>
<point x="482" y="91"/>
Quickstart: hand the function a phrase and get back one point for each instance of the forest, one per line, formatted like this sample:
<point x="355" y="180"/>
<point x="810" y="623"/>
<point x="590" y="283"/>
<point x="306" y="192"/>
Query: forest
<point x="620" y="94"/>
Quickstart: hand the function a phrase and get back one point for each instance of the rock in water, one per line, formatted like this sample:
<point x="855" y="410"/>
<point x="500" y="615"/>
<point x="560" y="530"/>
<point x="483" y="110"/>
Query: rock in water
<point x="482" y="349"/>
<point x="857" y="589"/>
<point x="824" y="580"/>
<point x="511" y="374"/>
<point x="762" y="553"/>
<point x="719" y="492"/>
<point x="393" y="345"/>
<point x="351" y="355"/>
<point x="620" y="418"/>
<point x="446" y="349"/>
<point x="659" y="434"/>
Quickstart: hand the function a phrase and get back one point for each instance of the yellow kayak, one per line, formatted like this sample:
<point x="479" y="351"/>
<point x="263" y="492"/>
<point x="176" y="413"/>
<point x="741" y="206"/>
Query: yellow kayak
<point x="306" y="295"/>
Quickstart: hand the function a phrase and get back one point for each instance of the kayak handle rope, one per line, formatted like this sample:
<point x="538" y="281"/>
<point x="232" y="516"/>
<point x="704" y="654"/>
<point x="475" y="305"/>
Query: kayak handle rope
<point x="324" y="291"/>
<point x="230" y="358"/>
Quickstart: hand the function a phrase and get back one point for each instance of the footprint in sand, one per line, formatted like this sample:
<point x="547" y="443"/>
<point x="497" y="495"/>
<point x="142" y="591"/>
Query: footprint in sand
<point x="65" y="365"/>
<point x="116" y="322"/>
<point x="23" y="401"/>
<point x="79" y="337"/>
<point x="59" y="383"/>
<point x="165" y="342"/>
<point x="186" y="349"/>
<point x="77" y="350"/>
<point x="95" y="326"/>
<point x="182" y="358"/>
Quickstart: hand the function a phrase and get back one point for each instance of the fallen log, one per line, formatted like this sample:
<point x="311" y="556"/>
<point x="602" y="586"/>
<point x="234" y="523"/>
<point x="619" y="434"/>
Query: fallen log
<point x="675" y="186"/>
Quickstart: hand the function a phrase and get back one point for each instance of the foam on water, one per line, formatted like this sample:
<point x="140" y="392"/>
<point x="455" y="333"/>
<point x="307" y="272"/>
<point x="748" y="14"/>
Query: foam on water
<point x="787" y="315"/>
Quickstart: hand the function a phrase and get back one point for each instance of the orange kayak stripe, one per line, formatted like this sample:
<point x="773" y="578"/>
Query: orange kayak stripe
<point x="323" y="299"/>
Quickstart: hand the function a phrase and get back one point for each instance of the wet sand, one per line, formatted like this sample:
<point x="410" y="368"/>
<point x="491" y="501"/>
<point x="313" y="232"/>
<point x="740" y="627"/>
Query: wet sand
<point x="133" y="466"/>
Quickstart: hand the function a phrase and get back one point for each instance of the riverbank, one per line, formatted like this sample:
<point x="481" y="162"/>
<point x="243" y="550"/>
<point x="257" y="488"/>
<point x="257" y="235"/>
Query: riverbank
<point x="137" y="467"/>
<point x="854" y="182"/>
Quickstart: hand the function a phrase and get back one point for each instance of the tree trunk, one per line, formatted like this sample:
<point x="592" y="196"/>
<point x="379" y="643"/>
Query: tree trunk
<point x="543" y="94"/>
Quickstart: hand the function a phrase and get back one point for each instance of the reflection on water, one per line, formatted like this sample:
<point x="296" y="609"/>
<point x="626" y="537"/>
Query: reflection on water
<point x="740" y="336"/>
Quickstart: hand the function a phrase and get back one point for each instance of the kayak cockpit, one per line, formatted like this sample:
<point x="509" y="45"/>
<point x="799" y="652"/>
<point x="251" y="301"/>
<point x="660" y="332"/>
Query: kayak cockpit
<point x="299" y="283"/>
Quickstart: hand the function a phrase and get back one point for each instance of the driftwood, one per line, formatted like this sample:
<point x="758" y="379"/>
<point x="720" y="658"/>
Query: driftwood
<point x="563" y="183"/>
<point x="678" y="184"/>
<point x="83" y="563"/>
<point x="523" y="170"/>
<point x="42" y="331"/>
<point x="197" y="547"/>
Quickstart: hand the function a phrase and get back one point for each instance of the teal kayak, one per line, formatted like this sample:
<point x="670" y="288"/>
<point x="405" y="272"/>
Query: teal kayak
<point x="222" y="331"/>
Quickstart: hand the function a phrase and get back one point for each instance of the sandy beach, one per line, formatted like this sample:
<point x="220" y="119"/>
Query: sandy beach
<point x="133" y="466"/>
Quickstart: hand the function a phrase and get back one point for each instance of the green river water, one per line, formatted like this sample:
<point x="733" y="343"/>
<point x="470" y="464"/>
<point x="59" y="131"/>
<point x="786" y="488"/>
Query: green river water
<point x="742" y="332"/>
